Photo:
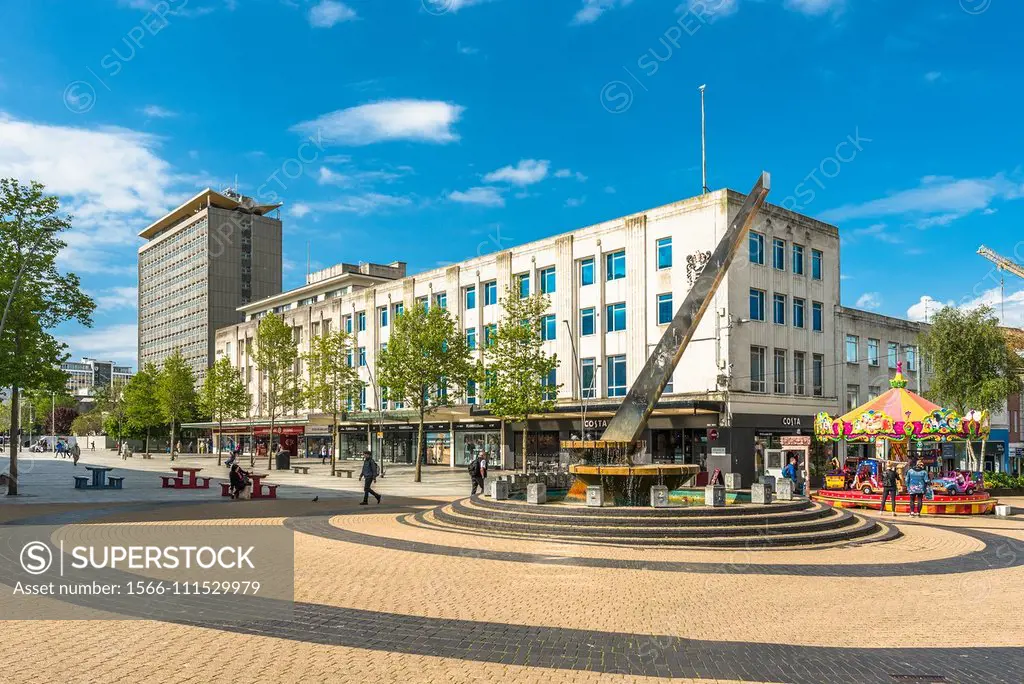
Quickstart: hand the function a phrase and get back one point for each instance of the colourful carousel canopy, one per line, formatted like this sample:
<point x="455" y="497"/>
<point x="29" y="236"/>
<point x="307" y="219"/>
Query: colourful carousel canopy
<point x="899" y="415"/>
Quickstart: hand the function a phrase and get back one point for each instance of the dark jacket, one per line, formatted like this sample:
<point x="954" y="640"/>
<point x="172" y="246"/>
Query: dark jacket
<point x="369" y="470"/>
<point x="890" y="478"/>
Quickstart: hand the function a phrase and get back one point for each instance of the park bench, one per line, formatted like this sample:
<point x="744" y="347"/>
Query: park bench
<point x="81" y="481"/>
<point x="205" y="482"/>
<point x="338" y="472"/>
<point x="171" y="481"/>
<point x="271" y="491"/>
<point x="145" y="455"/>
<point x="225" y="488"/>
<point x="304" y="469"/>
<point x="116" y="482"/>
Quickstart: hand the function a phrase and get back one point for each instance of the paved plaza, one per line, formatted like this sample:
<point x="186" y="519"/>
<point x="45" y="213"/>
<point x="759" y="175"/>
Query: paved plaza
<point x="386" y="593"/>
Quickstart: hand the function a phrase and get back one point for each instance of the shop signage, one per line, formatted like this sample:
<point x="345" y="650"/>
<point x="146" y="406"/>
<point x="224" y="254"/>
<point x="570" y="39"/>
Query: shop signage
<point x="351" y="428"/>
<point x="318" y="429"/>
<point x="792" y="421"/>
<point x="476" y="426"/>
<point x="594" y="423"/>
<point x="280" y="430"/>
<point x="718" y="451"/>
<point x="764" y="421"/>
<point x="795" y="440"/>
<point x="713" y="436"/>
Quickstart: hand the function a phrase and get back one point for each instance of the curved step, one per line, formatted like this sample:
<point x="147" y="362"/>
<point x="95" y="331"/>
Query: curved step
<point x="644" y="512"/>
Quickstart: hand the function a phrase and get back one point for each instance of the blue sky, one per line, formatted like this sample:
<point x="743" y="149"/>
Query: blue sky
<point x="452" y="127"/>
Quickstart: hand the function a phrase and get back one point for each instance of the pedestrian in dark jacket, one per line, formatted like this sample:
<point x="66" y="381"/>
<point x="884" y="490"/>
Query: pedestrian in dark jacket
<point x="890" y="483"/>
<point x="477" y="472"/>
<point x="368" y="475"/>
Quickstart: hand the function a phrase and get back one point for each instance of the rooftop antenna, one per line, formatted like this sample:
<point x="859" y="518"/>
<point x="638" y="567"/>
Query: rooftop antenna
<point x="703" y="145"/>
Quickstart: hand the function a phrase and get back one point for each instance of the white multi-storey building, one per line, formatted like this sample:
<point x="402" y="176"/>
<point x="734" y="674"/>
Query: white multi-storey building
<point x="763" y="361"/>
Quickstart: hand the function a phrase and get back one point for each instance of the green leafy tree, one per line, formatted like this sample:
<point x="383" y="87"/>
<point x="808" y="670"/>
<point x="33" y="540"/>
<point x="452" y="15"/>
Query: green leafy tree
<point x="90" y="423"/>
<point x="973" y="364"/>
<point x="275" y="354"/>
<point x="517" y="367"/>
<point x="176" y="393"/>
<point x="137" y="407"/>
<point x="36" y="297"/>
<point x="426" y="364"/>
<point x="223" y="396"/>
<point x="5" y="417"/>
<point x="332" y="381"/>
<point x="58" y="421"/>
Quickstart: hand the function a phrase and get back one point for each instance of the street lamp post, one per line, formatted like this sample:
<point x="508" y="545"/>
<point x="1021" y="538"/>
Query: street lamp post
<point x="380" y="413"/>
<point x="579" y="374"/>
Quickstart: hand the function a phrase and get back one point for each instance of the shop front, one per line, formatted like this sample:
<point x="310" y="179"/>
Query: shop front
<point x="318" y="438"/>
<point x="754" y="442"/>
<point x="353" y="442"/>
<point x="289" y="436"/>
<point x="472" y="439"/>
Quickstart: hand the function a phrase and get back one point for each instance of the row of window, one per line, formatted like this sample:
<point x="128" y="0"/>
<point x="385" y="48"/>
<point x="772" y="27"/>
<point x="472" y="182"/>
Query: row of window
<point x="780" y="306"/>
<point x="892" y="352"/>
<point x="781" y="376"/>
<point x="779" y="251"/>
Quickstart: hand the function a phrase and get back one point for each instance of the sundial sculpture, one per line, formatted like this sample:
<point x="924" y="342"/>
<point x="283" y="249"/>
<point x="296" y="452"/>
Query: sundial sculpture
<point x="607" y="461"/>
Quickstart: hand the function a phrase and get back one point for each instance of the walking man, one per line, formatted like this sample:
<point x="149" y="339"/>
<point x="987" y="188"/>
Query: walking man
<point x="323" y="454"/>
<point x="890" y="481"/>
<point x="477" y="472"/>
<point x="368" y="475"/>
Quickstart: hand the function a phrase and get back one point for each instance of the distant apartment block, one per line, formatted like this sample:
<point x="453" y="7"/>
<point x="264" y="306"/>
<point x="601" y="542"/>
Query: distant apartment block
<point x="201" y="262"/>
<point x="88" y="375"/>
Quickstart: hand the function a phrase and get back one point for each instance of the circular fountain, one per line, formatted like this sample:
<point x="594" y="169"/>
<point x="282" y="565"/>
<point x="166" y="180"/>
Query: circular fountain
<point x="609" y="465"/>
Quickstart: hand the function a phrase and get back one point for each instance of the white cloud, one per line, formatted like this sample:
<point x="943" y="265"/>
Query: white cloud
<point x="609" y="189"/>
<point x="526" y="172"/>
<point x="708" y="10"/>
<point x="158" y="112"/>
<point x="117" y="298"/>
<point x="118" y="343"/>
<point x="573" y="202"/>
<point x="933" y="76"/>
<point x="111" y="180"/>
<point x="327" y="176"/>
<point x="466" y="49"/>
<point x="567" y="173"/>
<point x="488" y="197"/>
<point x="869" y="301"/>
<point x="445" y="6"/>
<point x="816" y="8"/>
<point x="592" y="10"/>
<point x="417" y="120"/>
<point x="880" y="232"/>
<point x="327" y="13"/>
<point x="1009" y="309"/>
<point x="938" y="200"/>
<point x="363" y="203"/>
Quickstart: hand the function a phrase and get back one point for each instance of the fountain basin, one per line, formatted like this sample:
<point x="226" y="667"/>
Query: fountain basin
<point x="628" y="485"/>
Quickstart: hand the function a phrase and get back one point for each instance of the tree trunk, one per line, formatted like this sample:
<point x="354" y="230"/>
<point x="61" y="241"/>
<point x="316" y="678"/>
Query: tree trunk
<point x="981" y="458"/>
<point x="270" y="442"/>
<point x="220" y="438"/>
<point x="147" y="438"/>
<point x="336" y="442"/>
<point x="420" y="451"/>
<point x="526" y="445"/>
<point x="970" y="455"/>
<point x="172" y="441"/>
<point x="12" y="483"/>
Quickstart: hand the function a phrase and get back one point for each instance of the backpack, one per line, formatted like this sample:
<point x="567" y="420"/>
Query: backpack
<point x="474" y="467"/>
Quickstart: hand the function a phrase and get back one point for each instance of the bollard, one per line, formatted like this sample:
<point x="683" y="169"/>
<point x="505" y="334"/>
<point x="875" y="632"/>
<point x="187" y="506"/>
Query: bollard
<point x="733" y="481"/>
<point x="714" y="495"/>
<point x="487" y="486"/>
<point x="784" y="489"/>
<point x="659" y="496"/>
<point x="536" y="493"/>
<point x="768" y="480"/>
<point x="595" y="495"/>
<point x="760" y="493"/>
<point x="1003" y="511"/>
<point x="499" y="490"/>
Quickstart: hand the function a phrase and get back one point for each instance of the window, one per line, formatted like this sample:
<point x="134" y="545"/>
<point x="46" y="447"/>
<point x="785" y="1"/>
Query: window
<point x="348" y="358"/>
<point x="524" y="285"/>
<point x="894" y="354"/>
<point x="779" y="308"/>
<point x="227" y="345"/>
<point x="441" y="300"/>
<point x="348" y="324"/>
<point x="470" y="297"/>
<point x="587" y="321"/>
<point x="589" y="372"/>
<point x="615" y="265"/>
<point x="361" y="319"/>
<point x="664" y="253"/>
<point x="872" y="352"/>
<point x="665" y="308"/>
<point x="816" y="316"/>
<point x="326" y="325"/>
<point x="550" y="383"/>
<point x="617" y="376"/>
<point x="756" y="246"/>
<point x="548" y="327"/>
<point x="780" y="371"/>
<point x="547" y="280"/>
<point x="423" y="302"/>
<point x="818" y="374"/>
<point x="587" y="272"/>
<point x="779" y="254"/>
<point x="911" y="358"/>
<point x="382" y="314"/>
<point x="852" y="396"/>
<point x="798" y="312"/>
<point x="757" y="362"/>
<point x="851" y="348"/>
<point x="616" y="317"/>
<point x="798" y="259"/>
<point x="362" y="356"/>
<point x="471" y="392"/>
<point x="362" y="398"/>
<point x="471" y="339"/>
<point x="756" y="305"/>
<point x="799" y="385"/>
<point x="874" y="391"/>
<point x="490" y="293"/>
<point x="816" y="264"/>
<point x="489" y="332"/>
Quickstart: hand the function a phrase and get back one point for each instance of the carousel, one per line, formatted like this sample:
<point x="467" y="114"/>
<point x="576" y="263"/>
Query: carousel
<point x="891" y="422"/>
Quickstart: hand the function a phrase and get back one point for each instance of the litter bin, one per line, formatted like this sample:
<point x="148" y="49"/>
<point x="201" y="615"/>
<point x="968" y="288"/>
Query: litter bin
<point x="284" y="460"/>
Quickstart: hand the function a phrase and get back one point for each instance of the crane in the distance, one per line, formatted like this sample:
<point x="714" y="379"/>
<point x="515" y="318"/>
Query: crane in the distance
<point x="1001" y="262"/>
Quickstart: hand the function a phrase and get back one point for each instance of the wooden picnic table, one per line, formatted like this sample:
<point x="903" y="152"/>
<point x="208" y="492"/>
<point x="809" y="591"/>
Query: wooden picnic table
<point x="193" y="482"/>
<point x="99" y="475"/>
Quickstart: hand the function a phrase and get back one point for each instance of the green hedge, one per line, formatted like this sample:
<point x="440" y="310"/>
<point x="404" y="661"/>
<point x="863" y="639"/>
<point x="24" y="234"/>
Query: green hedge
<point x="1003" y="481"/>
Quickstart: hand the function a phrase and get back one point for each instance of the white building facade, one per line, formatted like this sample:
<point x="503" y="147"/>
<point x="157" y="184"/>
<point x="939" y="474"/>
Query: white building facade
<point x="761" y="364"/>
